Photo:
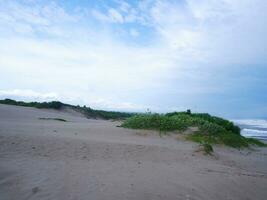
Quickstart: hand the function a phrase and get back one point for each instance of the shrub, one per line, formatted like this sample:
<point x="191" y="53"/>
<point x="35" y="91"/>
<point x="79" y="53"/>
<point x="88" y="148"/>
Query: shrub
<point x="253" y="141"/>
<point x="212" y="130"/>
<point x="155" y="122"/>
<point x="227" y="125"/>
<point x="207" y="148"/>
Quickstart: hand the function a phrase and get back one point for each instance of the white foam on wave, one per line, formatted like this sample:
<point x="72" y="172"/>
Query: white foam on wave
<point x="253" y="127"/>
<point x="260" y="123"/>
<point x="253" y="132"/>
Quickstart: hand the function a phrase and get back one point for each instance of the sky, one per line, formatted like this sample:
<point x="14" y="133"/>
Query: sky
<point x="165" y="55"/>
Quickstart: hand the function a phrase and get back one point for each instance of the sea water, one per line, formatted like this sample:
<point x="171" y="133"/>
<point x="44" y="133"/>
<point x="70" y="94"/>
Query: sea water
<point x="253" y="128"/>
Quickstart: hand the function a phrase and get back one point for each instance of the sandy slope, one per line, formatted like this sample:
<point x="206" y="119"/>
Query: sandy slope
<point x="93" y="159"/>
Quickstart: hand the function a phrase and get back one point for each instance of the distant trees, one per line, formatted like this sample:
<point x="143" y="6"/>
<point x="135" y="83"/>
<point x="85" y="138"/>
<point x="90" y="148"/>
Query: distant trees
<point x="52" y="104"/>
<point x="87" y="111"/>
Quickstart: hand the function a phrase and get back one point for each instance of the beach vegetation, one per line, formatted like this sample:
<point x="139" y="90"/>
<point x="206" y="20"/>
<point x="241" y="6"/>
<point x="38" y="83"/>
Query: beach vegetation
<point x="211" y="129"/>
<point x="207" y="148"/>
<point x="86" y="111"/>
<point x="52" y="104"/>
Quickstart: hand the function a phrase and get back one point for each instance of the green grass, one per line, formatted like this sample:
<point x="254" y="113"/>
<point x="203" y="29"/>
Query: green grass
<point x="207" y="148"/>
<point x="155" y="122"/>
<point x="102" y="114"/>
<point x="232" y="140"/>
<point x="256" y="142"/>
<point x="212" y="130"/>
<point x="57" y="119"/>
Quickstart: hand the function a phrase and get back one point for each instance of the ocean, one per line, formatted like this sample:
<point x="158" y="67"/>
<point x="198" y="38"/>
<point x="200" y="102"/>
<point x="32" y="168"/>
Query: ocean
<point x="253" y="128"/>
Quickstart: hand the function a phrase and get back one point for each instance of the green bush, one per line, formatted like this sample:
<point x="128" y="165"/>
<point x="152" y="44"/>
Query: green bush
<point x="227" y="125"/>
<point x="228" y="139"/>
<point x="212" y="130"/>
<point x="253" y="141"/>
<point x="208" y="149"/>
<point x="155" y="122"/>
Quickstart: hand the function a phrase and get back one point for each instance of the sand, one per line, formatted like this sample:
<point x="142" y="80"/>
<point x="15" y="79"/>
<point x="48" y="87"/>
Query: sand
<point x="86" y="159"/>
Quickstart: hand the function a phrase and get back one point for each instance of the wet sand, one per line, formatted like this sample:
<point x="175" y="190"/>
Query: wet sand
<point x="85" y="159"/>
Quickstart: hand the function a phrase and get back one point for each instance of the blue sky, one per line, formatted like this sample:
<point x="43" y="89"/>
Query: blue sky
<point x="207" y="55"/>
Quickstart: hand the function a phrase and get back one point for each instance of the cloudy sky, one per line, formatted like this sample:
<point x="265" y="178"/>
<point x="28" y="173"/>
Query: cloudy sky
<point x="207" y="55"/>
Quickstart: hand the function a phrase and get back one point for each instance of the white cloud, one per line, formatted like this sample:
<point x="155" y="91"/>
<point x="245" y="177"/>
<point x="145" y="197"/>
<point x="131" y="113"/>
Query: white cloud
<point x="218" y="31"/>
<point x="35" y="18"/>
<point x="112" y="16"/>
<point x="204" y="29"/>
<point x="100" y="16"/>
<point x="123" y="13"/>
<point x="84" y="99"/>
<point x="115" y="16"/>
<point x="29" y="94"/>
<point x="45" y="47"/>
<point x="124" y="6"/>
<point x="134" y="32"/>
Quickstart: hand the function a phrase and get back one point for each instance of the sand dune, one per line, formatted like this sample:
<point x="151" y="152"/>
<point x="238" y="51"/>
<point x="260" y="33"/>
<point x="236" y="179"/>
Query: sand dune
<point x="93" y="159"/>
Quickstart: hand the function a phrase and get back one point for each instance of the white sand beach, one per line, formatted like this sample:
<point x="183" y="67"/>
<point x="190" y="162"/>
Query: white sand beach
<point x="85" y="159"/>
